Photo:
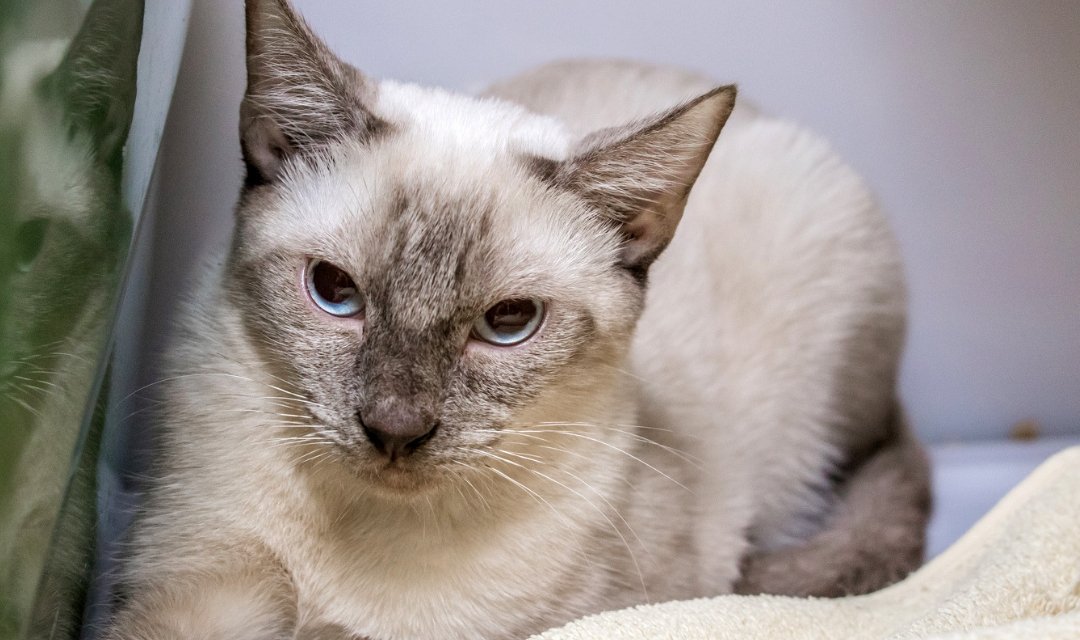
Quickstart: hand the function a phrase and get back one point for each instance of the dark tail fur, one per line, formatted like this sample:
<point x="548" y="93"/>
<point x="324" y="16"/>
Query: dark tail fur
<point x="875" y="535"/>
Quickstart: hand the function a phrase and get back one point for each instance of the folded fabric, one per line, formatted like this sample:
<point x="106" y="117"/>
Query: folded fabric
<point x="1015" y="574"/>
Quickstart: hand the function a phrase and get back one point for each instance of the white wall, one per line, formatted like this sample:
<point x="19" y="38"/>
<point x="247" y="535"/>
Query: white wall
<point x="964" y="116"/>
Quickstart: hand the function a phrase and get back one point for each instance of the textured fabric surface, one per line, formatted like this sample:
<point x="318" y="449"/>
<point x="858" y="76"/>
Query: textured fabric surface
<point x="1015" y="574"/>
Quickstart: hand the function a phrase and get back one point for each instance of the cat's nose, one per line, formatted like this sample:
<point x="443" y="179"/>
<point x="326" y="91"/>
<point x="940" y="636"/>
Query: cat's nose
<point x="397" y="429"/>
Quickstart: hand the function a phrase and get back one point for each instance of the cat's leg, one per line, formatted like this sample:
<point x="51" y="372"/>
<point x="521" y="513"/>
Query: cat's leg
<point x="253" y="602"/>
<point x="874" y="537"/>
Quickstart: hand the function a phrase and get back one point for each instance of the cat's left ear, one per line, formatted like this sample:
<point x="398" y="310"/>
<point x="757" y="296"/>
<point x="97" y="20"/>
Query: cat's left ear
<point x="97" y="77"/>
<point x="299" y="97"/>
<point x="640" y="176"/>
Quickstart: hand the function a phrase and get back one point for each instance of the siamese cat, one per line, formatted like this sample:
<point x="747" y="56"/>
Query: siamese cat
<point x="475" y="367"/>
<point x="66" y="105"/>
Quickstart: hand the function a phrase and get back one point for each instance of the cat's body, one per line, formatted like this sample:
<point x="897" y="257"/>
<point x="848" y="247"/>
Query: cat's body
<point x="602" y="462"/>
<point x="787" y="355"/>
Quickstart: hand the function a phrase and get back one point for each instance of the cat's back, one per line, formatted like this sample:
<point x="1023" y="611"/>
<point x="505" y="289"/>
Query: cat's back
<point x="588" y="95"/>
<point x="775" y="319"/>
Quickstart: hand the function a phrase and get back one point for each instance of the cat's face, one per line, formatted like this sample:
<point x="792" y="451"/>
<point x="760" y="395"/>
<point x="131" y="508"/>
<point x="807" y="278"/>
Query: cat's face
<point x="431" y="242"/>
<point x="438" y="270"/>
<point x="65" y="108"/>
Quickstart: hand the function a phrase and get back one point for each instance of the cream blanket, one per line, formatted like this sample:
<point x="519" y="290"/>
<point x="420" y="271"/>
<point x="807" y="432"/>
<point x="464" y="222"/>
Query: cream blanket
<point x="1015" y="574"/>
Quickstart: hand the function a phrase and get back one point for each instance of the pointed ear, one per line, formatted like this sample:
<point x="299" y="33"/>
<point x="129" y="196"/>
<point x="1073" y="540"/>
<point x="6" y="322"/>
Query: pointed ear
<point x="299" y="95"/>
<point x="640" y="176"/>
<point x="96" y="79"/>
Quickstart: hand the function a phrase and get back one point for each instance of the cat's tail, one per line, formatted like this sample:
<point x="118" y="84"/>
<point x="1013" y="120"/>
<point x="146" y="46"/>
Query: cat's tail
<point x="874" y="536"/>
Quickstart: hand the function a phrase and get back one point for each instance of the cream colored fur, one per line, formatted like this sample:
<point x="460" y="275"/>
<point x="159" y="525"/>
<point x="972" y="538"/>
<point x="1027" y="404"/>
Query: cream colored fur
<point x="765" y="357"/>
<point x="1013" y="575"/>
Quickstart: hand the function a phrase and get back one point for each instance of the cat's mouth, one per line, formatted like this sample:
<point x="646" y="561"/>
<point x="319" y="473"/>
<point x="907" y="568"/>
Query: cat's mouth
<point x="399" y="476"/>
<point x="402" y="478"/>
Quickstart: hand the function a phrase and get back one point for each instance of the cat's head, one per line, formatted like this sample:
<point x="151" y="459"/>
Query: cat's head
<point x="430" y="271"/>
<point x="65" y="111"/>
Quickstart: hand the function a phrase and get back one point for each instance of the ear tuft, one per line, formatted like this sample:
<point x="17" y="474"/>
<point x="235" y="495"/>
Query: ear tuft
<point x="639" y="176"/>
<point x="299" y="95"/>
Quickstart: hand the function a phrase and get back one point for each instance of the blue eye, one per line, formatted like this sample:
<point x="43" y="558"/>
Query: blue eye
<point x="509" y="322"/>
<point x="333" y="290"/>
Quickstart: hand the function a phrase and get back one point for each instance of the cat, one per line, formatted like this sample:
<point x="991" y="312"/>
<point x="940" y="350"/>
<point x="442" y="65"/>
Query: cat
<point x="475" y="367"/>
<point x="66" y="105"/>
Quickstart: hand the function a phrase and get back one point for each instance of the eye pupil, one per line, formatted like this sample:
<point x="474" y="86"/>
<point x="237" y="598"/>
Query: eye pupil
<point x="333" y="284"/>
<point x="333" y="290"/>
<point x="509" y="322"/>
<point x="510" y="315"/>
<point x="29" y="239"/>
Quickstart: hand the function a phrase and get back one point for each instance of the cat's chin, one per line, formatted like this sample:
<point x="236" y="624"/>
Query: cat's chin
<point x="400" y="480"/>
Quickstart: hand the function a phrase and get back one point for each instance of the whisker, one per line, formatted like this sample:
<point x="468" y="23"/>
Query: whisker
<point x="78" y="357"/>
<point x="464" y="476"/>
<point x="293" y="440"/>
<point x="34" y="387"/>
<point x="682" y="455"/>
<point x="536" y="496"/>
<point x="267" y="413"/>
<point x="583" y="482"/>
<point x="193" y="374"/>
<point x="576" y="454"/>
<point x="611" y="523"/>
<point x="22" y="403"/>
<point x="37" y="381"/>
<point x="136" y="412"/>
<point x="523" y="456"/>
<point x="609" y="446"/>
<point x="625" y="372"/>
<point x="598" y="424"/>
<point x="263" y="368"/>
<point x="587" y="485"/>
<point x="39" y="350"/>
<point x="540" y="500"/>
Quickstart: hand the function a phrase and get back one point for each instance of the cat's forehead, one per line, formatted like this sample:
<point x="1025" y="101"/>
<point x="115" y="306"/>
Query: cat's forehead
<point x="452" y="229"/>
<point x="461" y="156"/>
<point x="444" y="122"/>
<point x="448" y="168"/>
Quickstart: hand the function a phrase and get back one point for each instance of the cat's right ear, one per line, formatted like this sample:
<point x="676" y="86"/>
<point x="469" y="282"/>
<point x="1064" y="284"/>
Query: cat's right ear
<point x="299" y="96"/>
<point x="639" y="176"/>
